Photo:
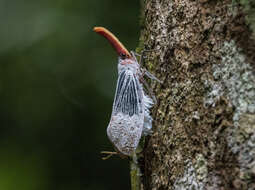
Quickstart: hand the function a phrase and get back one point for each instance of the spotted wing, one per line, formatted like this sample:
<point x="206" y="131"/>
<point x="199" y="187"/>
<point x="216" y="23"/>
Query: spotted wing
<point x="126" y="124"/>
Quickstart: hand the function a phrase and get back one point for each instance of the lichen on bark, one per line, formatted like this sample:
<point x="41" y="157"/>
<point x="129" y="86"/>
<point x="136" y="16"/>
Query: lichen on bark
<point x="204" y="122"/>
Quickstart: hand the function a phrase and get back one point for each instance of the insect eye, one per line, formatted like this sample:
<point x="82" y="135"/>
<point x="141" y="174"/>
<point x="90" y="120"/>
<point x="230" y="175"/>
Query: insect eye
<point x="123" y="55"/>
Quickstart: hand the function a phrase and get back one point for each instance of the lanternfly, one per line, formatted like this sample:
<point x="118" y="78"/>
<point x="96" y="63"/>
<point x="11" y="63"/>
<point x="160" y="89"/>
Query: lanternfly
<point x="130" y="114"/>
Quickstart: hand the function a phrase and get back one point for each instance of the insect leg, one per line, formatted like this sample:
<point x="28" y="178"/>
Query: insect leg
<point x="134" y="54"/>
<point x="149" y="90"/>
<point x="109" y="154"/>
<point x="144" y="71"/>
<point x="151" y="76"/>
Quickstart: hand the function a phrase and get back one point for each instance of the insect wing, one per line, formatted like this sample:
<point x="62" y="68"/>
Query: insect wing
<point x="127" y="119"/>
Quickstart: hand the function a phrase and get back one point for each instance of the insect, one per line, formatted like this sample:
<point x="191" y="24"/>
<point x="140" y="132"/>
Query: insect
<point x="130" y="113"/>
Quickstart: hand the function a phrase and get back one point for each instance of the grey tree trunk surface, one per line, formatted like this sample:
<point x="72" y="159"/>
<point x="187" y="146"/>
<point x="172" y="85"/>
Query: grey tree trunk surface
<point x="204" y="121"/>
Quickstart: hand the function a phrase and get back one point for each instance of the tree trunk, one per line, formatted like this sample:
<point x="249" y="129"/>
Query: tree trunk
<point x="204" y="121"/>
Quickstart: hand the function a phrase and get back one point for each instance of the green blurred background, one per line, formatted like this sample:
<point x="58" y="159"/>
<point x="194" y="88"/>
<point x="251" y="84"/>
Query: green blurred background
<point x="57" y="82"/>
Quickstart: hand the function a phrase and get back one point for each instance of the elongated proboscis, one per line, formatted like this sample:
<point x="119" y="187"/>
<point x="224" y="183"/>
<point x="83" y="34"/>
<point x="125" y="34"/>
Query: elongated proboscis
<point x="114" y="41"/>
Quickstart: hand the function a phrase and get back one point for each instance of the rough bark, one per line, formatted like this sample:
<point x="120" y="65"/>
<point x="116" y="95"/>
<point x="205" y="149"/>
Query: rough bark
<point x="204" y="122"/>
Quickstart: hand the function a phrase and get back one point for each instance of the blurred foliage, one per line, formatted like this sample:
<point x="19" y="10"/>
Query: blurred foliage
<point x="57" y="82"/>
